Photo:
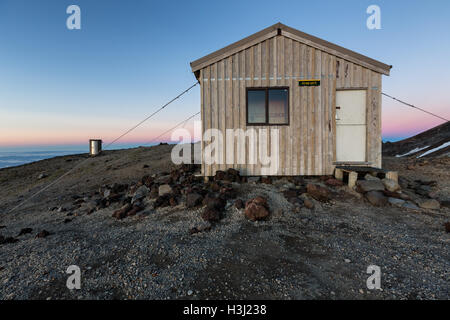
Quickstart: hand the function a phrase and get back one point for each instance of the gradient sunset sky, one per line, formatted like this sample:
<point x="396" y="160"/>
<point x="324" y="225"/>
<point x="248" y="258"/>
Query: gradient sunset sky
<point x="60" y="86"/>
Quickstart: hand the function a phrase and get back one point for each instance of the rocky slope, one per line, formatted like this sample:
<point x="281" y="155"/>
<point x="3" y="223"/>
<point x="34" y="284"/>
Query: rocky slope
<point x="434" y="142"/>
<point x="141" y="228"/>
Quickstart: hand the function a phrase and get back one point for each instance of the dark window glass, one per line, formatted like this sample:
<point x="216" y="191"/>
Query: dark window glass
<point x="268" y="106"/>
<point x="278" y="106"/>
<point x="256" y="104"/>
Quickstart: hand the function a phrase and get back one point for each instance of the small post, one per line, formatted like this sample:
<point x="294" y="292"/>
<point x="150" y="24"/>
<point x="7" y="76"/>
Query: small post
<point x="339" y="174"/>
<point x="352" y="177"/>
<point x="95" y="147"/>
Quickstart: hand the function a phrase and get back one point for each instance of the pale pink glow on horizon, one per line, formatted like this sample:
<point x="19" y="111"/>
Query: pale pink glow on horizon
<point x="402" y="121"/>
<point x="392" y="126"/>
<point x="142" y="136"/>
<point x="398" y="121"/>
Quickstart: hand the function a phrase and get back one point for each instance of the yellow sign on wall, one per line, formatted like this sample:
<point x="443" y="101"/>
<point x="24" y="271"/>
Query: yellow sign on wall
<point x="309" y="83"/>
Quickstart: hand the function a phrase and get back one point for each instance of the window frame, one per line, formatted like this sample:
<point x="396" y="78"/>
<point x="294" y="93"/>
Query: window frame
<point x="266" y="90"/>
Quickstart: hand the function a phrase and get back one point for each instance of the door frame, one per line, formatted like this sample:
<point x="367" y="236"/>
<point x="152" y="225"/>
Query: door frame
<point x="366" y="162"/>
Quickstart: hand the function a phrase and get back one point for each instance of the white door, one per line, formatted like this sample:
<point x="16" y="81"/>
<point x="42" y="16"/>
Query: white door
<point x="351" y="125"/>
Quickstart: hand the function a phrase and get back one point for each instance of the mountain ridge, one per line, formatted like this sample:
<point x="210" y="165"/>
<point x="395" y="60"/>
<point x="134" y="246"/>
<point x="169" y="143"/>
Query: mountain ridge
<point x="434" y="142"/>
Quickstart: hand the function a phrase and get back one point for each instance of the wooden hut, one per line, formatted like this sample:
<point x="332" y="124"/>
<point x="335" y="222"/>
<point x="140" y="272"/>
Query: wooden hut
<point x="324" y="99"/>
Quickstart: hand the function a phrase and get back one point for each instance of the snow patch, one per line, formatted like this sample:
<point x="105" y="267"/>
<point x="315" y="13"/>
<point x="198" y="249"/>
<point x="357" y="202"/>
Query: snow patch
<point x="435" y="149"/>
<point x="411" y="152"/>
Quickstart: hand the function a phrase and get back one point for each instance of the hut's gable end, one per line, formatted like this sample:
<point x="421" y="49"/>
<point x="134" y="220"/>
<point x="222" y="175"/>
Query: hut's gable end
<point x="307" y="146"/>
<point x="294" y="34"/>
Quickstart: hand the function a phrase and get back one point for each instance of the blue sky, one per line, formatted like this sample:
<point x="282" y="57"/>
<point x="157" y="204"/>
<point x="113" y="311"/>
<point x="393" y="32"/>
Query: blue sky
<point x="59" y="85"/>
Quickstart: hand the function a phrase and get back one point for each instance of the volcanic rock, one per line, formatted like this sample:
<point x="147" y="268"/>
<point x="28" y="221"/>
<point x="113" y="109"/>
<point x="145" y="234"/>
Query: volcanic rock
<point x="390" y="185"/>
<point x="211" y="214"/>
<point x="24" y="231"/>
<point x="396" y="202"/>
<point x="364" y="186"/>
<point x="122" y="212"/>
<point x="308" y="204"/>
<point x="376" y="198"/>
<point x="447" y="227"/>
<point x="318" y="192"/>
<point x="239" y="204"/>
<point x="429" y="204"/>
<point x="410" y="205"/>
<point x="256" y="209"/>
<point x="201" y="227"/>
<point x="212" y="201"/>
<point x="266" y="180"/>
<point x="370" y="177"/>
<point x="334" y="182"/>
<point x="193" y="199"/>
<point x="6" y="240"/>
<point x="164" y="189"/>
<point x="43" y="234"/>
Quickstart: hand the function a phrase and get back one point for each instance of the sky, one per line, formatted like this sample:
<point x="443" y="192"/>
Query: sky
<point x="61" y="86"/>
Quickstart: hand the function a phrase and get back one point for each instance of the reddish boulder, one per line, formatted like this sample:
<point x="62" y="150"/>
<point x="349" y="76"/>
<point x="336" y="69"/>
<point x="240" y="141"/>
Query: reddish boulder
<point x="376" y="198"/>
<point x="193" y="199"/>
<point x="447" y="227"/>
<point x="122" y="212"/>
<point x="134" y="210"/>
<point x="334" y="182"/>
<point x="260" y="201"/>
<point x="256" y="209"/>
<point x="239" y="204"/>
<point x="391" y="194"/>
<point x="43" y="234"/>
<point x="147" y="180"/>
<point x="318" y="192"/>
<point x="308" y="204"/>
<point x="211" y="215"/>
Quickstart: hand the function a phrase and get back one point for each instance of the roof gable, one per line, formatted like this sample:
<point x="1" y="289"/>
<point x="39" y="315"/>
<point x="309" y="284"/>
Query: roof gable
<point x="281" y="29"/>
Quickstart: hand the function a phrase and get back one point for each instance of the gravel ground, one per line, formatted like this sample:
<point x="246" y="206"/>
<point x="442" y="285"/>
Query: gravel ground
<point x="320" y="253"/>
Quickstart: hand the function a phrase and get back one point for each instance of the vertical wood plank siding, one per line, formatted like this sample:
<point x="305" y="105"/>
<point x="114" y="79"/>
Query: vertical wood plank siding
<point x="307" y="144"/>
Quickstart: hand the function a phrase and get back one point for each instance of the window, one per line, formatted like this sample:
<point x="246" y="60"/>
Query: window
<point x="267" y="106"/>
